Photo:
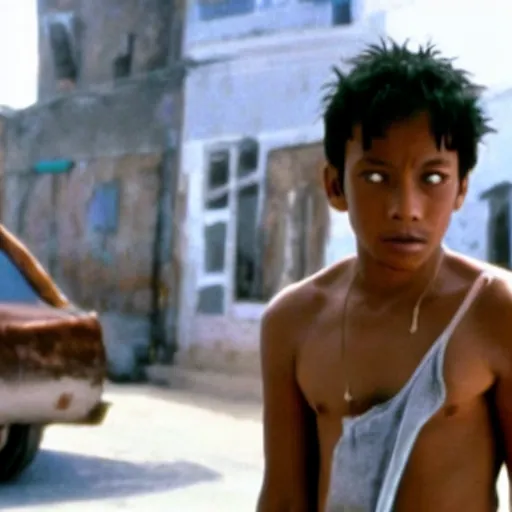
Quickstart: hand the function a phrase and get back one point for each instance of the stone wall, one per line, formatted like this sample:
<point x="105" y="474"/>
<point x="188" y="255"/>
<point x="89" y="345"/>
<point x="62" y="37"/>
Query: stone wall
<point x="95" y="226"/>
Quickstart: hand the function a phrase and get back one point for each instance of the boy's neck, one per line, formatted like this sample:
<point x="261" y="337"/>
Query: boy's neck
<point x="376" y="279"/>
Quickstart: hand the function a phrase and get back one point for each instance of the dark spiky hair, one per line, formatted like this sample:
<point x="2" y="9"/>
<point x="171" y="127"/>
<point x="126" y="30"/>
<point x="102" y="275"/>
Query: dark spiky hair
<point x="388" y="83"/>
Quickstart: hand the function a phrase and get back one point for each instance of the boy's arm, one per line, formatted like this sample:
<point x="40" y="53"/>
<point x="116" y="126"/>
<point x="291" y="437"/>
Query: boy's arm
<point x="291" y="472"/>
<point x="499" y="321"/>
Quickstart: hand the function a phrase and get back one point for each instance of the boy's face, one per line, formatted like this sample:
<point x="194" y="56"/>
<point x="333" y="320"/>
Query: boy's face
<point x="399" y="194"/>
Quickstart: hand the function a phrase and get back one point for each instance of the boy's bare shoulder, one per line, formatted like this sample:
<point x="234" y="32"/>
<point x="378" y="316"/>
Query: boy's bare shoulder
<point x="499" y="289"/>
<point x="297" y="303"/>
<point x="496" y="303"/>
<point x="493" y="311"/>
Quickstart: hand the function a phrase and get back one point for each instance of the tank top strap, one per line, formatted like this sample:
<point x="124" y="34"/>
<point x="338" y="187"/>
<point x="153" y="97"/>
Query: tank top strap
<point x="483" y="278"/>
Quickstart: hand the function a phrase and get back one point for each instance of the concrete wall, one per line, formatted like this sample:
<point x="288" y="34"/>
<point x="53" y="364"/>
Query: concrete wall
<point x="114" y="136"/>
<point x="269" y="89"/>
<point x="99" y="32"/>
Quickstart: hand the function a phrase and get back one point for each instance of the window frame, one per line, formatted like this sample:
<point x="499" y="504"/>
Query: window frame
<point x="226" y="277"/>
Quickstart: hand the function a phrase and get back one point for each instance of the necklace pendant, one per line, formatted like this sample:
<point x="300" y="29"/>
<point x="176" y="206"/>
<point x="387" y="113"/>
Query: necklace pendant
<point x="348" y="396"/>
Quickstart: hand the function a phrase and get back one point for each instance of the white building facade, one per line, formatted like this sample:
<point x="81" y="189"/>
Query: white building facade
<point x="252" y="153"/>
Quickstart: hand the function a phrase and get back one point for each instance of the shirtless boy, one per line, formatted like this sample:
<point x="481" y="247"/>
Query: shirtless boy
<point x="388" y="376"/>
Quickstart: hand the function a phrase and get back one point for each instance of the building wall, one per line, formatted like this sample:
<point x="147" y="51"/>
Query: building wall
<point x="268" y="89"/>
<point x="256" y="18"/>
<point x="470" y="227"/>
<point x="266" y="80"/>
<point x="98" y="31"/>
<point x="102" y="258"/>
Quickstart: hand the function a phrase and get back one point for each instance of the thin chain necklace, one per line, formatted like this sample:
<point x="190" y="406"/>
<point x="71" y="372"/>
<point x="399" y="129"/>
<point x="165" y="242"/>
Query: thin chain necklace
<point x="347" y="395"/>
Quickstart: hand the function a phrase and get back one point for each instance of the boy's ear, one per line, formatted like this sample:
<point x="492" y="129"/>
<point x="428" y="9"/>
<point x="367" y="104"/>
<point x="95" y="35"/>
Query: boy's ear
<point x="333" y="188"/>
<point x="461" y="195"/>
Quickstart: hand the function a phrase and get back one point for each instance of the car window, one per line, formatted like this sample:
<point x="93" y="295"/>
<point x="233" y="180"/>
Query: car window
<point x="13" y="285"/>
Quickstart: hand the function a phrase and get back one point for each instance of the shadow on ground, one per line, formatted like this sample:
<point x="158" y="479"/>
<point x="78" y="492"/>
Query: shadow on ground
<point x="57" y="477"/>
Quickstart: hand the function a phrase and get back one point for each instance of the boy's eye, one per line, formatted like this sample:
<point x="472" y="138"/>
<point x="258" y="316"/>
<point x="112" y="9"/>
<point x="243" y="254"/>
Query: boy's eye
<point x="374" y="177"/>
<point x="433" y="178"/>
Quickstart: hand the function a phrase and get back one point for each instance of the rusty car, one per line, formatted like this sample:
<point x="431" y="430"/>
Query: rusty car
<point x="52" y="358"/>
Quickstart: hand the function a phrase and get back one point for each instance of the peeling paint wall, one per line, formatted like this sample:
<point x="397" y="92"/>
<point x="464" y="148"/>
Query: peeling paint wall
<point x="98" y="122"/>
<point x="94" y="228"/>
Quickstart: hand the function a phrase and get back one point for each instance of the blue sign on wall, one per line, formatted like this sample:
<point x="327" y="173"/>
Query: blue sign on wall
<point x="53" y="166"/>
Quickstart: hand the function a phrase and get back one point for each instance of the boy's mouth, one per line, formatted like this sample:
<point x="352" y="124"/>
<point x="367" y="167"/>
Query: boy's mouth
<point x="408" y="242"/>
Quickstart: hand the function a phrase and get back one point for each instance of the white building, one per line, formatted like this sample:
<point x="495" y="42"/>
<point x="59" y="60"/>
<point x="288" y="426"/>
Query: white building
<point x="483" y="227"/>
<point x="252" y="153"/>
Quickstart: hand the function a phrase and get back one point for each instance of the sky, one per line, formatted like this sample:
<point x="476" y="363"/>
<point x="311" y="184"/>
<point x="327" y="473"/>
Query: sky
<point x="18" y="53"/>
<point x="459" y="31"/>
<point x="477" y="33"/>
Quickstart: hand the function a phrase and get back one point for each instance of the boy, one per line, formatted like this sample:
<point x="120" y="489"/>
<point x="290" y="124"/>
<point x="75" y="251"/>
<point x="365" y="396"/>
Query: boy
<point x="388" y="376"/>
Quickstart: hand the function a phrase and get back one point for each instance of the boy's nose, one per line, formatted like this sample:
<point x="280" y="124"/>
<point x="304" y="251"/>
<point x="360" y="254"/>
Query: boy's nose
<point x="405" y="203"/>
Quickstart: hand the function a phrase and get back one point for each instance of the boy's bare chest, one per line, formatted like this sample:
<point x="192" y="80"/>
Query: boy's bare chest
<point x="379" y="358"/>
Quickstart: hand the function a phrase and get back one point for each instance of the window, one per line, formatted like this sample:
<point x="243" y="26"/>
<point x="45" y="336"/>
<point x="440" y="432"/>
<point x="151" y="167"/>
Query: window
<point x="341" y="12"/>
<point x="211" y="300"/>
<point x="264" y="226"/>
<point x="61" y="34"/>
<point x="122" y="64"/>
<point x="264" y="4"/>
<point x="247" y="258"/>
<point x="213" y="9"/>
<point x="231" y="234"/>
<point x="15" y="287"/>
<point x="218" y="169"/>
<point x="499" y="247"/>
<point x="215" y="242"/>
<point x="500" y="233"/>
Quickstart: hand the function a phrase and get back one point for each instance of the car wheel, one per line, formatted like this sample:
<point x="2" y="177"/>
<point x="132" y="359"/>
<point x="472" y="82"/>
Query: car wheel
<point x="19" y="445"/>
